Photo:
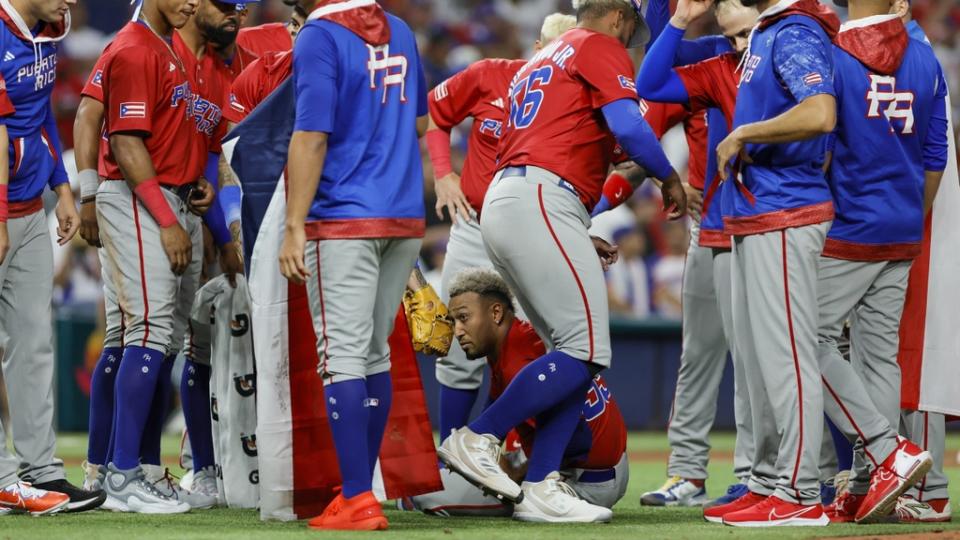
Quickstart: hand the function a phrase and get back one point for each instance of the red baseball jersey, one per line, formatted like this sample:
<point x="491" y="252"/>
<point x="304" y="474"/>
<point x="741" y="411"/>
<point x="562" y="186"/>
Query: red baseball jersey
<point x="603" y="417"/>
<point x="554" y="122"/>
<point x="94" y="89"/>
<point x="712" y="84"/>
<point x="210" y="83"/>
<point x="146" y="91"/>
<point x="663" y="116"/>
<point x="259" y="40"/>
<point x="478" y="92"/>
<point x="256" y="82"/>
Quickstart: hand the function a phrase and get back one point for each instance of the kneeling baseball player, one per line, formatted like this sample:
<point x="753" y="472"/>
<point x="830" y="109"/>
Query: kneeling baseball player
<point x="594" y="465"/>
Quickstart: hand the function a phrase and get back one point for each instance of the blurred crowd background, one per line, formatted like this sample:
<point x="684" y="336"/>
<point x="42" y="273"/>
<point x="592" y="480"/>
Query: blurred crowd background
<point x="452" y="34"/>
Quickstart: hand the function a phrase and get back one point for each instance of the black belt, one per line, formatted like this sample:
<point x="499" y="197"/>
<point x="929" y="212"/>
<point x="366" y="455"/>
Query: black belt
<point x="521" y="172"/>
<point x="183" y="192"/>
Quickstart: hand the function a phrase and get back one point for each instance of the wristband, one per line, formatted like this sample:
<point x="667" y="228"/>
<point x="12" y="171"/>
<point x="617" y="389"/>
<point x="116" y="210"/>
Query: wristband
<point x="229" y="198"/>
<point x="438" y="146"/>
<point x="218" y="227"/>
<point x="89" y="182"/>
<point x="617" y="189"/>
<point x="153" y="200"/>
<point x="4" y="205"/>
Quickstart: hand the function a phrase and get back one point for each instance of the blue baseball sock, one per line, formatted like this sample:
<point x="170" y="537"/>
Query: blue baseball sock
<point x="455" y="407"/>
<point x="843" y="447"/>
<point x="195" y="397"/>
<point x="101" y="404"/>
<point x="135" y="388"/>
<point x="153" y="428"/>
<point x="555" y="428"/>
<point x="379" y="399"/>
<point x="349" y="423"/>
<point x="543" y="384"/>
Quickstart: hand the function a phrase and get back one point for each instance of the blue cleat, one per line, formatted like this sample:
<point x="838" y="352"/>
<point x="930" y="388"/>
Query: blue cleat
<point x="734" y="492"/>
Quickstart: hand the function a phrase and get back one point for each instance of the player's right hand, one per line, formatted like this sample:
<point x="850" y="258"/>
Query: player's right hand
<point x="451" y="197"/>
<point x="176" y="243"/>
<point x="4" y="241"/>
<point x="292" y="265"/>
<point x="688" y="11"/>
<point x="609" y="254"/>
<point x="674" y="198"/>
<point x="231" y="262"/>
<point x="89" y="228"/>
<point x="694" y="201"/>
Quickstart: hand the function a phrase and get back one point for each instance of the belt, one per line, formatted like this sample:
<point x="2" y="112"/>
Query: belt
<point x="521" y="172"/>
<point x="595" y="477"/>
<point x="184" y="191"/>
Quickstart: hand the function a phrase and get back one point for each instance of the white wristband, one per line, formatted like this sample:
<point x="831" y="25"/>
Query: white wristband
<point x="89" y="182"/>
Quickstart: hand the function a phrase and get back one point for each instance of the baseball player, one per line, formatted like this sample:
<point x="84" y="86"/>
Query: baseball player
<point x="479" y="92"/>
<point x="929" y="501"/>
<point x="707" y="310"/>
<point x="30" y="35"/>
<point x="891" y="94"/>
<point x="554" y="156"/>
<point x="146" y="207"/>
<point x="595" y="463"/>
<point x="778" y="207"/>
<point x="272" y="37"/>
<point x="356" y="191"/>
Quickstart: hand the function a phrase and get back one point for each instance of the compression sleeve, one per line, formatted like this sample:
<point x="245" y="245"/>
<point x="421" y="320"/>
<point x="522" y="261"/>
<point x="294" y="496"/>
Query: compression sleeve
<point x="657" y="81"/>
<point x="635" y="136"/>
<point x="936" y="146"/>
<point x="692" y="51"/>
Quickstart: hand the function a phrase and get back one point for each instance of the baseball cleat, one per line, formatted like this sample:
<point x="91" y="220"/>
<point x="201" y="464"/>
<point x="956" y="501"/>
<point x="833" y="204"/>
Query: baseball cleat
<point x="205" y="484"/>
<point x="676" y="491"/>
<point x="909" y="510"/>
<point x="553" y="501"/>
<point x="134" y="493"/>
<point x="477" y="458"/>
<point x="81" y="500"/>
<point x="457" y="498"/>
<point x="903" y="468"/>
<point x="734" y="492"/>
<point x="776" y="512"/>
<point x="715" y="514"/>
<point x="21" y="497"/>
<point x="359" y="513"/>
<point x="844" y="508"/>
<point x="169" y="486"/>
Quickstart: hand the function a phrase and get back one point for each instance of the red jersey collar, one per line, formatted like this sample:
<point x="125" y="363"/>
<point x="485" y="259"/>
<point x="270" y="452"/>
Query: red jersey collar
<point x="827" y="19"/>
<point x="878" y="42"/>
<point x="365" y="18"/>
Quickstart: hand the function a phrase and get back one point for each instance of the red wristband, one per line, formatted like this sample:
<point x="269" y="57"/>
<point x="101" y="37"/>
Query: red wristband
<point x="438" y="146"/>
<point x="4" y="205"/>
<point x="617" y="189"/>
<point x="153" y="200"/>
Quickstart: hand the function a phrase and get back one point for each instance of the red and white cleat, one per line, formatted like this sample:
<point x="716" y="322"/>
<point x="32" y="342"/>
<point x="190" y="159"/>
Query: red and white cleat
<point x="21" y="497"/>
<point x="776" y="512"/>
<point x="910" y="510"/>
<point x="844" y="508"/>
<point x="715" y="514"/>
<point x="903" y="468"/>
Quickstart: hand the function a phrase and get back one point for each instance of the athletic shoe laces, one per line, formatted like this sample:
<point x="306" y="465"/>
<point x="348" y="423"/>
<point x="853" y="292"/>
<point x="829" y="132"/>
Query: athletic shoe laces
<point x="27" y="491"/>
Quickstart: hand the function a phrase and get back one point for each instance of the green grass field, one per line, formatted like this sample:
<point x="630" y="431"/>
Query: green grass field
<point x="630" y="520"/>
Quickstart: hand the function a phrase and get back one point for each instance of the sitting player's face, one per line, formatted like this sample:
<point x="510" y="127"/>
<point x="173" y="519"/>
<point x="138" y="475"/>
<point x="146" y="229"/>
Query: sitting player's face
<point x="51" y="11"/>
<point x="735" y="23"/>
<point x="177" y="12"/>
<point x="474" y="324"/>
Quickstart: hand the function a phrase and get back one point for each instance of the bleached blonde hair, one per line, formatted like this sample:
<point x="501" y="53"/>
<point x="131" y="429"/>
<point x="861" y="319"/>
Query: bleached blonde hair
<point x="554" y="25"/>
<point x="485" y="282"/>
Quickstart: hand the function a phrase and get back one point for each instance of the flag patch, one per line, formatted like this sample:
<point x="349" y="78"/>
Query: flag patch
<point x="98" y="78"/>
<point x="441" y="91"/>
<point x="133" y="109"/>
<point x="811" y="79"/>
<point x="235" y="105"/>
<point x="627" y="82"/>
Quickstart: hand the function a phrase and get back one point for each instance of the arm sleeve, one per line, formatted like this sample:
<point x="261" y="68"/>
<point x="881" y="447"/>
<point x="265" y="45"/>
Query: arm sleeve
<point x="803" y="63"/>
<point x="59" y="175"/>
<point x="636" y="137"/>
<point x="315" y="77"/>
<point x="131" y="90"/>
<point x="698" y="50"/>
<point x="607" y="81"/>
<point x="657" y="80"/>
<point x="935" y="146"/>
<point x="657" y="17"/>
<point x="452" y="100"/>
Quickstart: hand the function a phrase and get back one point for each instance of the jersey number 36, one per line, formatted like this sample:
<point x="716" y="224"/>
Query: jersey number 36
<point x="526" y="96"/>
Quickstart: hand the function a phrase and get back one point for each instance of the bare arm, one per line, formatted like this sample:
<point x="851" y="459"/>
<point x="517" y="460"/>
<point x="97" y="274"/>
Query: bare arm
<point x="86" y="133"/>
<point x="308" y="151"/>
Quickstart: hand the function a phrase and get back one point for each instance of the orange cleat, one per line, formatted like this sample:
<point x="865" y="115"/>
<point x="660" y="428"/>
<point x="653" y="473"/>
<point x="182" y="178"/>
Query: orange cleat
<point x="21" y="497"/>
<point x="715" y="514"/>
<point x="359" y="513"/>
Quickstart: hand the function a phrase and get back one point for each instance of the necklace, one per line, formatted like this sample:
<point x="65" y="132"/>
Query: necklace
<point x="146" y="23"/>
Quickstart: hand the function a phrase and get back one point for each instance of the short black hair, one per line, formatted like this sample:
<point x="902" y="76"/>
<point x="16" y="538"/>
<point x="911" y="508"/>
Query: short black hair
<point x="594" y="9"/>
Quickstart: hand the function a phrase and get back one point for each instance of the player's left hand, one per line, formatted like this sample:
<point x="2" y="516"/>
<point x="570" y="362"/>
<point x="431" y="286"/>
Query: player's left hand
<point x="608" y="254"/>
<point x="694" y="201"/>
<point x="674" y="197"/>
<point x="231" y="262"/>
<point x="68" y="220"/>
<point x="729" y="149"/>
<point x="202" y="197"/>
<point x="292" y="265"/>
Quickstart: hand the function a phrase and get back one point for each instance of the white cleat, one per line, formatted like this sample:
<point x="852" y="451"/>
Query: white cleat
<point x="204" y="484"/>
<point x="93" y="479"/>
<point x="131" y="492"/>
<point x="553" y="501"/>
<point x="477" y="459"/>
<point x="169" y="486"/>
<point x="909" y="510"/>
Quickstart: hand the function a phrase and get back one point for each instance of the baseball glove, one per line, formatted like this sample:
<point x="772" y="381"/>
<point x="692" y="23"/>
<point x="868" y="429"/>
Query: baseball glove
<point x="431" y="329"/>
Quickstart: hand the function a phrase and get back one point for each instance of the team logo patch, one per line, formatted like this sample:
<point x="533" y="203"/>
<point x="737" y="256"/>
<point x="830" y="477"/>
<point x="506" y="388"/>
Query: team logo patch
<point x="246" y="385"/>
<point x="812" y="79"/>
<point x="133" y="109"/>
<point x="627" y="83"/>
<point x="249" y="443"/>
<point x="8" y="56"/>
